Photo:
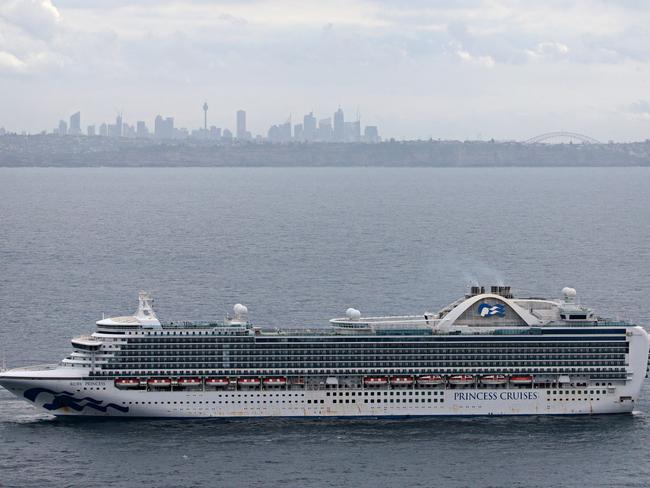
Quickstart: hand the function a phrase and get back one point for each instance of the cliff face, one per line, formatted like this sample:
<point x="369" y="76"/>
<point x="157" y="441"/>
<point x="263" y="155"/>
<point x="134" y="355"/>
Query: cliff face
<point x="46" y="150"/>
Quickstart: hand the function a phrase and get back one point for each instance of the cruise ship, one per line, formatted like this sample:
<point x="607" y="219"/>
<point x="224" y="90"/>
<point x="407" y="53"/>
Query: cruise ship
<point x="487" y="353"/>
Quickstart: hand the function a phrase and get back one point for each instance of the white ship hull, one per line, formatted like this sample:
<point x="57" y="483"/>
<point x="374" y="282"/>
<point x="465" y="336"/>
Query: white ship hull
<point x="102" y="399"/>
<point x="485" y="354"/>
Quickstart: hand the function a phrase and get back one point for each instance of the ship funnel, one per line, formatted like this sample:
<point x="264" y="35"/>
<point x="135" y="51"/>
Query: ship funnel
<point x="145" y="313"/>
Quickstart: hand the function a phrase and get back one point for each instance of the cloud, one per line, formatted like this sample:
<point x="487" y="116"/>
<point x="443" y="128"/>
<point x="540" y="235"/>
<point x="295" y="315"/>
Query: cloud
<point x="640" y="107"/>
<point x="550" y="50"/>
<point x="485" y="61"/>
<point x="38" y="18"/>
<point x="10" y="63"/>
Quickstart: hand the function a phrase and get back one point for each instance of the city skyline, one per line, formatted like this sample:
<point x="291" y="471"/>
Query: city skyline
<point x="308" y="129"/>
<point x="499" y="69"/>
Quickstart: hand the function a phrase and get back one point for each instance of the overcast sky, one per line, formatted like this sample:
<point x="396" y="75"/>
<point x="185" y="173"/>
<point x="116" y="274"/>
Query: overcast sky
<point x="508" y="69"/>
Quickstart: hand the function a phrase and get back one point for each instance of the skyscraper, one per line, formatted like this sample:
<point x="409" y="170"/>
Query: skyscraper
<point x="241" y="125"/>
<point x="141" y="130"/>
<point x="324" y="130"/>
<point x="353" y="131"/>
<point x="339" y="126"/>
<point x="371" y="134"/>
<point x="164" y="128"/>
<point x="158" y="127"/>
<point x="309" y="127"/>
<point x="298" y="133"/>
<point x="115" y="130"/>
<point x="75" y="124"/>
<point x="63" y="128"/>
<point x="90" y="131"/>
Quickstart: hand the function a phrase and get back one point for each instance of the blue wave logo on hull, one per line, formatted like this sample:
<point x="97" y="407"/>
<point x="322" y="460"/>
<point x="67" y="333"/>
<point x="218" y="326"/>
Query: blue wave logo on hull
<point x="487" y="310"/>
<point x="67" y="399"/>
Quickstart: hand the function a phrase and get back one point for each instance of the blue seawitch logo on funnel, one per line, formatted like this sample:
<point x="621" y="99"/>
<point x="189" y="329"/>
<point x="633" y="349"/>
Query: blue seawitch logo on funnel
<point x="487" y="310"/>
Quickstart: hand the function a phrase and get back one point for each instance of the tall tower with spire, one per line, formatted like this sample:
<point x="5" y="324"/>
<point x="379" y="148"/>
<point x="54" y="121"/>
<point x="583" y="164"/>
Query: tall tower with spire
<point x="205" y="116"/>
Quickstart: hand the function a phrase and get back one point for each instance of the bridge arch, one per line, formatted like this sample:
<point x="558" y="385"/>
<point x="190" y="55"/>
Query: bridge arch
<point x="562" y="134"/>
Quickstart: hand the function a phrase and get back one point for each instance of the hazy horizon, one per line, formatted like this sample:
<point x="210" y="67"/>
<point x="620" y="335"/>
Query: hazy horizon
<point x="459" y="69"/>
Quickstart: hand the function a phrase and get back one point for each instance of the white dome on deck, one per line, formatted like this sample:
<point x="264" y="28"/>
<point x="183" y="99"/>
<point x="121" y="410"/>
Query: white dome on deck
<point x="352" y="314"/>
<point x="569" y="292"/>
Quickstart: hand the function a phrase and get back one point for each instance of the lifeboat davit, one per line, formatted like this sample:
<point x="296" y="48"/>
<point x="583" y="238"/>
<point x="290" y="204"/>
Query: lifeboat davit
<point x="429" y="380"/>
<point x="275" y="381"/>
<point x="189" y="381"/>
<point x="461" y="379"/>
<point x="494" y="379"/>
<point x="401" y="380"/>
<point x="159" y="382"/>
<point x="217" y="382"/>
<point x="375" y="381"/>
<point x="248" y="382"/>
<point x="521" y="379"/>
<point x="127" y="382"/>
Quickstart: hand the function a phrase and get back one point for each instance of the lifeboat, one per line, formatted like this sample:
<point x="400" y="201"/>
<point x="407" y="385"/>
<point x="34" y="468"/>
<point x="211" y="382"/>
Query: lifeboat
<point x="189" y="381"/>
<point x="401" y="380"/>
<point x="298" y="381"/>
<point x="275" y="381"/>
<point x="494" y="379"/>
<point x="521" y="379"/>
<point x="218" y="382"/>
<point x="248" y="382"/>
<point x="461" y="379"/>
<point x="375" y="381"/>
<point x="159" y="382"/>
<point x="127" y="382"/>
<point x="430" y="380"/>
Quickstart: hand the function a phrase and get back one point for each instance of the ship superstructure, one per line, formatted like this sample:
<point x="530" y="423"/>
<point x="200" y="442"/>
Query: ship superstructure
<point x="487" y="353"/>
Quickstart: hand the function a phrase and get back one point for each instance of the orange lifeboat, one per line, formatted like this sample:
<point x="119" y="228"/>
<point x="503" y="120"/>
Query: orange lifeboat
<point x="375" y="381"/>
<point x="494" y="379"/>
<point x="275" y="381"/>
<point x="401" y="380"/>
<point x="430" y="380"/>
<point x="461" y="379"/>
<point x="127" y="382"/>
<point x="189" y="382"/>
<point x="521" y="380"/>
<point x="159" y="382"/>
<point x="248" y="382"/>
<point x="218" y="382"/>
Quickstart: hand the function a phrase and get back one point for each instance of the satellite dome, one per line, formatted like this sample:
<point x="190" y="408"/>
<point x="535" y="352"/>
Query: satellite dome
<point x="569" y="292"/>
<point x="240" y="309"/>
<point x="353" y="314"/>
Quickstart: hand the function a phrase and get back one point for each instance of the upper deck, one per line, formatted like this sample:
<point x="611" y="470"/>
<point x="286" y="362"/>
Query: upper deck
<point x="478" y="312"/>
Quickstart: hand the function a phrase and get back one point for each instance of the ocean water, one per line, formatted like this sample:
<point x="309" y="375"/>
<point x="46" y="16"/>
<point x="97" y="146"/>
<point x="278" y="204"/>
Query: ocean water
<point x="298" y="246"/>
